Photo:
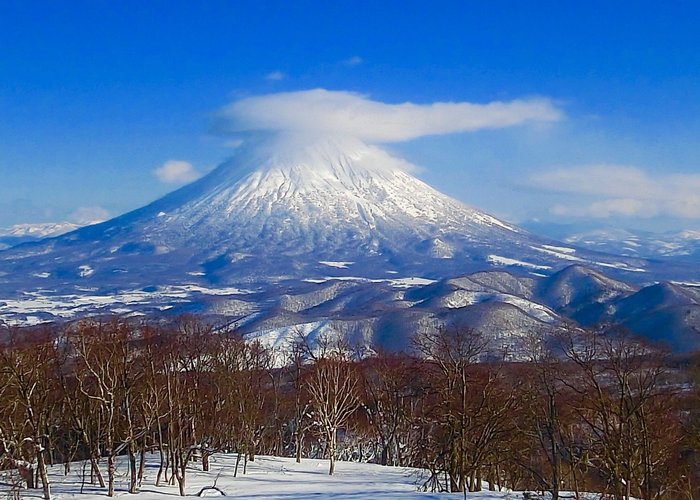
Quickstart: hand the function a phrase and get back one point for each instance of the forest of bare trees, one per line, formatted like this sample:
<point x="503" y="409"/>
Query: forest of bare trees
<point x="585" y="411"/>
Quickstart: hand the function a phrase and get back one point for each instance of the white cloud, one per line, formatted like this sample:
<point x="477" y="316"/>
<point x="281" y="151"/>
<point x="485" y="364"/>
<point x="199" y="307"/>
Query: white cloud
<point x="353" y="61"/>
<point x="88" y="215"/>
<point x="612" y="190"/>
<point x="176" y="172"/>
<point x="275" y="76"/>
<point x="325" y="112"/>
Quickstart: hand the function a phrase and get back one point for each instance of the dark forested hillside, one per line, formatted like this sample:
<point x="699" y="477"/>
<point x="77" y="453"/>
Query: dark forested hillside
<point x="587" y="411"/>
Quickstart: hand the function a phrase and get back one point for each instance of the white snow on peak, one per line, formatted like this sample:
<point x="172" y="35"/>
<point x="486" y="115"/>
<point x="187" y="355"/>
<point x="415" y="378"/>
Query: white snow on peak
<point x="334" y="194"/>
<point x="40" y="230"/>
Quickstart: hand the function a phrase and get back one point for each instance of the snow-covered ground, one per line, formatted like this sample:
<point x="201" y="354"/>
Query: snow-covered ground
<point x="267" y="477"/>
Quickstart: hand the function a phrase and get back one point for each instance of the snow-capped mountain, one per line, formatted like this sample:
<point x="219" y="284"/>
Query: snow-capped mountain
<point x="40" y="230"/>
<point x="666" y="245"/>
<point x="683" y="245"/>
<point x="22" y="233"/>
<point x="309" y="236"/>
<point x="283" y="211"/>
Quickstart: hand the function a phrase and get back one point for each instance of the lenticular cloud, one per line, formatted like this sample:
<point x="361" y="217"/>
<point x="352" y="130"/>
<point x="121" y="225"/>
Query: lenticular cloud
<point x="324" y="112"/>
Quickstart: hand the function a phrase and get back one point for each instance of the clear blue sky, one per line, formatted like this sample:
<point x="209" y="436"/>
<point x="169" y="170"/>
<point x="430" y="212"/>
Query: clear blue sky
<point x="96" y="95"/>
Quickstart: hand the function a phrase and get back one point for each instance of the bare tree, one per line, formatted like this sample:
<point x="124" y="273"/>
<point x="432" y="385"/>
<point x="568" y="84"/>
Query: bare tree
<point x="391" y="384"/>
<point x="622" y="390"/>
<point x="28" y="399"/>
<point x="297" y="366"/>
<point x="82" y="413"/>
<point x="544" y="393"/>
<point x="152" y="411"/>
<point x="452" y="351"/>
<point x="105" y="377"/>
<point x="332" y="386"/>
<point x="186" y="367"/>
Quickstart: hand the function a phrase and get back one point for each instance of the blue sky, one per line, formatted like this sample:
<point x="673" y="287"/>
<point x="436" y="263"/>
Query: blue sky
<point x="97" y="98"/>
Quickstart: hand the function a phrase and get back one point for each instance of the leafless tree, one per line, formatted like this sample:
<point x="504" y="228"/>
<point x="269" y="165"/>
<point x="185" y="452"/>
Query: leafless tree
<point x="332" y="385"/>
<point x="106" y="377"/>
<point x="452" y="352"/>
<point x="622" y="391"/>
<point x="28" y="399"/>
<point x="298" y="363"/>
<point x="544" y="396"/>
<point x="390" y="387"/>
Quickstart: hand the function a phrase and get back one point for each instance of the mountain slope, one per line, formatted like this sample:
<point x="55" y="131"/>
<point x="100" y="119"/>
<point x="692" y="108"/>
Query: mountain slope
<point x="665" y="312"/>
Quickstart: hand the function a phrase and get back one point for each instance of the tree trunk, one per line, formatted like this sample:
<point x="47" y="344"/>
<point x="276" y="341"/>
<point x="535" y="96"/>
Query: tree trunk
<point x="280" y="443"/>
<point x="299" y="444"/>
<point x="132" y="469"/>
<point x="180" y="471"/>
<point x="331" y="469"/>
<point x="238" y="461"/>
<point x="26" y="473"/>
<point x="142" y="464"/>
<point x="181" y="482"/>
<point x="95" y="471"/>
<point x="163" y="465"/>
<point x="556" y="460"/>
<point x="41" y="469"/>
<point x="173" y="465"/>
<point x="205" y="460"/>
<point x="331" y="451"/>
<point x="110" y="474"/>
<point x="577" y="492"/>
<point x="384" y="456"/>
<point x="473" y="482"/>
<point x="456" y="483"/>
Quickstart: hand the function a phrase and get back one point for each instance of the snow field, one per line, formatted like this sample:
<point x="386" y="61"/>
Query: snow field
<point x="266" y="478"/>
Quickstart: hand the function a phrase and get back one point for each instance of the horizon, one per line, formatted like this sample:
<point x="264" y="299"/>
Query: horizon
<point x="108" y="107"/>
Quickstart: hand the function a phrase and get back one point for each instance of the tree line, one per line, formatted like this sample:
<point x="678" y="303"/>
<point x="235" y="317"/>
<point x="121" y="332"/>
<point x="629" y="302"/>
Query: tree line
<point x="586" y="410"/>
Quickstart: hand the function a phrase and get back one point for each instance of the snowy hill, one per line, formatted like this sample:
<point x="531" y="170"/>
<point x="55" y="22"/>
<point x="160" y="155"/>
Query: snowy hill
<point x="22" y="233"/>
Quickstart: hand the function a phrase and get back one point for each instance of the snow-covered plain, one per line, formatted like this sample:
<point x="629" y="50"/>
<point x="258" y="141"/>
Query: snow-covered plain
<point x="42" y="306"/>
<point x="266" y="477"/>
